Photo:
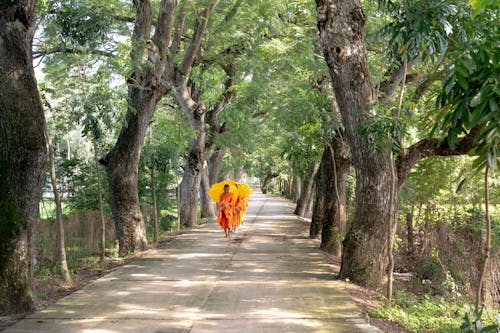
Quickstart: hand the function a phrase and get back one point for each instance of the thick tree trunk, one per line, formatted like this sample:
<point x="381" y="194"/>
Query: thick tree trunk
<point x="148" y="59"/>
<point x="122" y="166"/>
<point x="318" y="213"/>
<point x="23" y="154"/>
<point x="207" y="205"/>
<point x="190" y="184"/>
<point x="342" y="30"/>
<point x="335" y="219"/>
<point x="306" y="193"/>
<point x="214" y="164"/>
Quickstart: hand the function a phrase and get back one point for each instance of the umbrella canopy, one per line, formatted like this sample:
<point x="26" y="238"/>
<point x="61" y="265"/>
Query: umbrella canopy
<point x="218" y="188"/>
<point x="234" y="187"/>
<point x="244" y="189"/>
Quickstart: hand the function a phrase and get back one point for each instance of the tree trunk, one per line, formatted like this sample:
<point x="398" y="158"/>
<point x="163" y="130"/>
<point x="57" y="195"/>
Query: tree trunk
<point x="155" y="205"/>
<point x="342" y="30"/>
<point x="23" y="154"/>
<point x="296" y="186"/>
<point x="214" y="164"/>
<point x="267" y="180"/>
<point x="318" y="213"/>
<point x="410" y="234"/>
<point x="100" y="202"/>
<point x="306" y="193"/>
<point x="60" y="246"/>
<point x="145" y="89"/>
<point x="487" y="245"/>
<point x="335" y="177"/>
<point x="122" y="166"/>
<point x="207" y="205"/>
<point x="190" y="184"/>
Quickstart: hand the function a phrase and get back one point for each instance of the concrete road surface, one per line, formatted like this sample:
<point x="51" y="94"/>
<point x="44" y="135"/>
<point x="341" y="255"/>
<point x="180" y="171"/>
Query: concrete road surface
<point x="268" y="278"/>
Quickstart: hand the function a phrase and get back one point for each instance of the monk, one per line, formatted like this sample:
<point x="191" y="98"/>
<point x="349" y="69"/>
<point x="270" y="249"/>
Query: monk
<point x="243" y="205"/>
<point x="226" y="210"/>
<point x="237" y="212"/>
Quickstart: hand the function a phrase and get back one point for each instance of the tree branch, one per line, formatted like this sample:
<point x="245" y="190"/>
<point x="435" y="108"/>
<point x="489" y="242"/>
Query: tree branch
<point x="142" y="32"/>
<point x="60" y="49"/>
<point x="164" y="27"/>
<point x="395" y="74"/>
<point x="427" y="83"/>
<point x="189" y="57"/>
<point x="179" y="28"/>
<point x="433" y="147"/>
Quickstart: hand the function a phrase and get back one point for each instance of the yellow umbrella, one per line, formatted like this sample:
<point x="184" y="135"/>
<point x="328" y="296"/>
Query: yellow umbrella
<point x="244" y="189"/>
<point x="218" y="188"/>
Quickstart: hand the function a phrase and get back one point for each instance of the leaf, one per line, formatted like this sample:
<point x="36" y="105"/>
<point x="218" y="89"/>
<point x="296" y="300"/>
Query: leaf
<point x="463" y="83"/>
<point x="459" y="187"/>
<point x="493" y="105"/>
<point x="476" y="100"/>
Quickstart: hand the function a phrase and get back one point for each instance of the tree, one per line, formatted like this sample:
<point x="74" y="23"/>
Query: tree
<point x="23" y="154"/>
<point x="342" y="29"/>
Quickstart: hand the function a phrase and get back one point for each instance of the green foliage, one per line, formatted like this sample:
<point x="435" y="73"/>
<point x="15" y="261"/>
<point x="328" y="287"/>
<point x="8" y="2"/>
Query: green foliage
<point x="475" y="321"/>
<point x="432" y="315"/>
<point x="420" y="29"/>
<point x="470" y="94"/>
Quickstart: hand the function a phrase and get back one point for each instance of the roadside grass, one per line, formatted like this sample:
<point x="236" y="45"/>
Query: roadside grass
<point x="431" y="314"/>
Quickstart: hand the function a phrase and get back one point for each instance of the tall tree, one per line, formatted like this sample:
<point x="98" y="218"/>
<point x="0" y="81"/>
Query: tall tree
<point x="23" y="154"/>
<point x="341" y="26"/>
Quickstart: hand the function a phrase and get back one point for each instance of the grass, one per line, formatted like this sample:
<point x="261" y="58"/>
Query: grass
<point x="431" y="314"/>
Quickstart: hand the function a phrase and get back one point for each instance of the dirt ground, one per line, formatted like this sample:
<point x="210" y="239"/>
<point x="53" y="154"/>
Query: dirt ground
<point x="367" y="300"/>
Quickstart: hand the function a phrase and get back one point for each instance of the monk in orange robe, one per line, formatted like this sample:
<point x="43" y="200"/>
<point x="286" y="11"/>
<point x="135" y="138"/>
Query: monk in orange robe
<point x="243" y="205"/>
<point x="237" y="212"/>
<point x="226" y="210"/>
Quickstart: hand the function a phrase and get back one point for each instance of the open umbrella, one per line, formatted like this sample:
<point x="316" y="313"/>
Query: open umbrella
<point x="243" y="189"/>
<point x="218" y="188"/>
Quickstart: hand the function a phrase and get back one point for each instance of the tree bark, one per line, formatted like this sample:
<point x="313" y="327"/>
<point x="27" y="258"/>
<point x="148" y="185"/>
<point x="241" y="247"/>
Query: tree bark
<point x="296" y="186"/>
<point x="102" y="221"/>
<point x="342" y="30"/>
<point x="267" y="180"/>
<point x="306" y="193"/>
<point x="190" y="184"/>
<point x="122" y="166"/>
<point x="410" y="234"/>
<point x="155" y="205"/>
<point x="23" y="154"/>
<point x="487" y="245"/>
<point x="318" y="213"/>
<point x="207" y="205"/>
<point x="335" y="219"/>
<point x="60" y="245"/>
<point x="214" y="164"/>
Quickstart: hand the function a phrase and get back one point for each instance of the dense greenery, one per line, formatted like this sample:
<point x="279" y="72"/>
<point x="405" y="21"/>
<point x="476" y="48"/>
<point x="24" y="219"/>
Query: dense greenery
<point x="280" y="115"/>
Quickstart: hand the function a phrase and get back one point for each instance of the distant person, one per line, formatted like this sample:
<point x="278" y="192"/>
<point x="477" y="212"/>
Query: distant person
<point x="238" y="211"/>
<point x="226" y="210"/>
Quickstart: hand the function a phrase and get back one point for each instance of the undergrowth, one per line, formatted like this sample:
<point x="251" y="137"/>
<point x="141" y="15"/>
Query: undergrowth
<point x="437" y="315"/>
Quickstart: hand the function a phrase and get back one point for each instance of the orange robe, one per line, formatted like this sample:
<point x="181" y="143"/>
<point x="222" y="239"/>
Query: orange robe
<point x="238" y="207"/>
<point x="225" y="215"/>
<point x="244" y="205"/>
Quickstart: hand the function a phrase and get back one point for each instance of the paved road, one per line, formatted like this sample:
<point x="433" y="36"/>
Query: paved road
<point x="269" y="278"/>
